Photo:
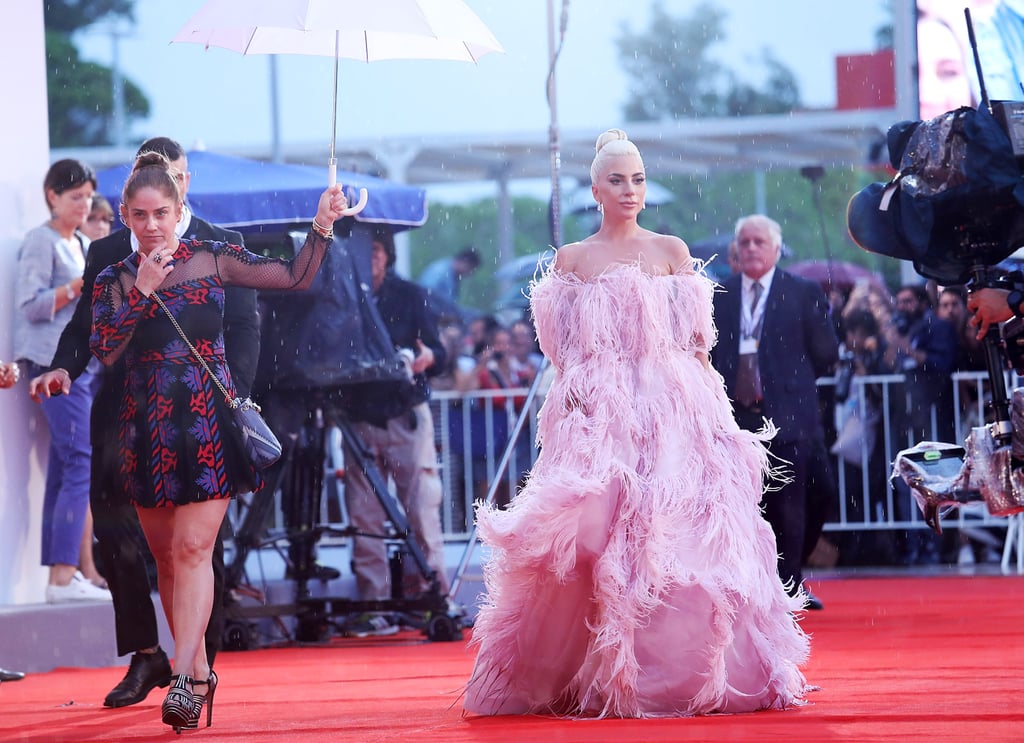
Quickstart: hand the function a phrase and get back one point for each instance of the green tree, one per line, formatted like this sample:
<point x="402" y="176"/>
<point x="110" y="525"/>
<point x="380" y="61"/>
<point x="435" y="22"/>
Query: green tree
<point x="453" y="227"/>
<point x="80" y="93"/>
<point x="67" y="16"/>
<point x="674" y="75"/>
<point x="780" y="94"/>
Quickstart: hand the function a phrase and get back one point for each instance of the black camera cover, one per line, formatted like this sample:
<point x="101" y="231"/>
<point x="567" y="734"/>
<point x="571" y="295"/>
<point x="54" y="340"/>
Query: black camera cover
<point x="956" y="202"/>
<point x="330" y="336"/>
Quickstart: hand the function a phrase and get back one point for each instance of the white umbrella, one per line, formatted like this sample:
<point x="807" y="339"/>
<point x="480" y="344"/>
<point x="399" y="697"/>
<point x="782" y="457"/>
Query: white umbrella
<point x="366" y="30"/>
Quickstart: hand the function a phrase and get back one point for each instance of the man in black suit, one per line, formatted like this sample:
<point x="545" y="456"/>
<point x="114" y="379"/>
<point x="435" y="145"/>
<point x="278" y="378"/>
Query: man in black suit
<point x="775" y="338"/>
<point x="121" y="546"/>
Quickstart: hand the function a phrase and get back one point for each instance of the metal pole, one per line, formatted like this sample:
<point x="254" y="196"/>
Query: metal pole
<point x="275" y="114"/>
<point x="553" y="136"/>
<point x="332" y="164"/>
<point x="117" y="89"/>
<point x="814" y="174"/>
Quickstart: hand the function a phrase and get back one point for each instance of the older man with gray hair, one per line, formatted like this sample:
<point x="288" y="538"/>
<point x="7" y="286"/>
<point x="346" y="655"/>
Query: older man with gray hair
<point x="775" y="338"/>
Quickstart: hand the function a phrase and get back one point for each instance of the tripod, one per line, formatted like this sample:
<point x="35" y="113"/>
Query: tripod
<point x="303" y="470"/>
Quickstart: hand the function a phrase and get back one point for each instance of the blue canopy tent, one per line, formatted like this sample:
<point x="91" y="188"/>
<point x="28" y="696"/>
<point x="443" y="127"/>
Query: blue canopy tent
<point x="248" y="194"/>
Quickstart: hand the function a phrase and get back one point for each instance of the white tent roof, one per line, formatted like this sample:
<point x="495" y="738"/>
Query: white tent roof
<point x="828" y="138"/>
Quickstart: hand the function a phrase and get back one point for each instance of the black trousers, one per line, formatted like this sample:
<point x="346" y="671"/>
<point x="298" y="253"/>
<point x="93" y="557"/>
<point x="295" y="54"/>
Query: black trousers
<point x="122" y="551"/>
<point x="822" y="495"/>
<point x="785" y="506"/>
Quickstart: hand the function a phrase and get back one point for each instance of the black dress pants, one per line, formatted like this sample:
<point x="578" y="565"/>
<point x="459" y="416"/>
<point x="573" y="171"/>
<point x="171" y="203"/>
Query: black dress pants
<point x="785" y="506"/>
<point x="786" y="510"/>
<point x="122" y="551"/>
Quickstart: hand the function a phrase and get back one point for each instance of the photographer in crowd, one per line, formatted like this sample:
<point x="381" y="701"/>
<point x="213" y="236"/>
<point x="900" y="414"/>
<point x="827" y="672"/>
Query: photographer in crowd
<point x="398" y="429"/>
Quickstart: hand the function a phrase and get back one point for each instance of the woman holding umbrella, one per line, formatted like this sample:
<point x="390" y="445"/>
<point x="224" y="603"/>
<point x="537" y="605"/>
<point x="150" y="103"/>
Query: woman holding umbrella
<point x="179" y="464"/>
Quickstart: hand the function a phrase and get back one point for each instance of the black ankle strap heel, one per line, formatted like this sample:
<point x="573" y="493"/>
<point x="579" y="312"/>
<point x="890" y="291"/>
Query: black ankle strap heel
<point x="180" y="709"/>
<point x="207" y="699"/>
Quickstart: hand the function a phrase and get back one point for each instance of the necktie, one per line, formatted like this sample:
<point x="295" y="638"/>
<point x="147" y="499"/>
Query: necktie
<point x="757" y="290"/>
<point x="748" y="375"/>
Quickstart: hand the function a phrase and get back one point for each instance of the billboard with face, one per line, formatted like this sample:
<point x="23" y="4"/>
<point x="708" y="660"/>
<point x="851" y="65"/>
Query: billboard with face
<point x="947" y="74"/>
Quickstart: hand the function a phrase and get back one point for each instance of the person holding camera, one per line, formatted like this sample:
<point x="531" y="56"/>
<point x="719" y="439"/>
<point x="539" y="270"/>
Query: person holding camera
<point x="924" y="347"/>
<point x="864" y="354"/>
<point x="990" y="306"/>
<point x="397" y="427"/>
<point x="490" y="422"/>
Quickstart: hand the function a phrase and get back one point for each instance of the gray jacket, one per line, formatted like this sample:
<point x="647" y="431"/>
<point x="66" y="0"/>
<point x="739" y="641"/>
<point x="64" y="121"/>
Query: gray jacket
<point x="46" y="262"/>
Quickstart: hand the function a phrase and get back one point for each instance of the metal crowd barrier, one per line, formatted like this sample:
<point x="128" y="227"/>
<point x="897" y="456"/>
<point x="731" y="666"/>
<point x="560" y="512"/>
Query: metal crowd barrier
<point x="858" y="507"/>
<point x="470" y="430"/>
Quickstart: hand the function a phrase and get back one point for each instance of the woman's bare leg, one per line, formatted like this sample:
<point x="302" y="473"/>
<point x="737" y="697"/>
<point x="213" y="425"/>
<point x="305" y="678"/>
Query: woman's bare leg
<point x="158" y="526"/>
<point x="186" y="539"/>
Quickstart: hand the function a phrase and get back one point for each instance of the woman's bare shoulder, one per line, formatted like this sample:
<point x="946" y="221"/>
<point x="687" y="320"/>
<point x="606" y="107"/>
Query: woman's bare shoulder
<point x="567" y="257"/>
<point x="670" y="251"/>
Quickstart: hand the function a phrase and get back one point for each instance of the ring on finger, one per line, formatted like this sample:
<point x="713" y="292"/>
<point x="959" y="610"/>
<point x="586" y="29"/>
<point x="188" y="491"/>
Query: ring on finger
<point x="158" y="258"/>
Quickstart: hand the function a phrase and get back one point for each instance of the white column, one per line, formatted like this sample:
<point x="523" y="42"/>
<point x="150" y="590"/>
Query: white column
<point x="396" y="159"/>
<point x="24" y="151"/>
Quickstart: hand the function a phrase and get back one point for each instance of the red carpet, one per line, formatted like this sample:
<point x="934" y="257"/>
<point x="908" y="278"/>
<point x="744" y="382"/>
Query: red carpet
<point x="897" y="659"/>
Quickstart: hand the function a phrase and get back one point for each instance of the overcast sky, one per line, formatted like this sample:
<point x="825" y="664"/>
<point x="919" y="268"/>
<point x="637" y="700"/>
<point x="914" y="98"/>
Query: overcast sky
<point x="221" y="99"/>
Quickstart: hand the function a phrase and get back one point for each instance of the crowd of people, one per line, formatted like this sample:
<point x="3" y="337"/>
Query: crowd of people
<point x="680" y="485"/>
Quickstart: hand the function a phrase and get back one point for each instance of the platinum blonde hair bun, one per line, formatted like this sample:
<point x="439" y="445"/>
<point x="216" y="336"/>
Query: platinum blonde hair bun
<point x="611" y="143"/>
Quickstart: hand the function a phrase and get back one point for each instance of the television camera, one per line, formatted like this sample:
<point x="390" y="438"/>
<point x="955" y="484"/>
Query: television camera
<point x="321" y="350"/>
<point x="955" y="208"/>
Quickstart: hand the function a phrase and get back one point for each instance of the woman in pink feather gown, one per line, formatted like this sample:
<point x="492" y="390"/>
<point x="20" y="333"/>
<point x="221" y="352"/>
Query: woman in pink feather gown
<point x="634" y="575"/>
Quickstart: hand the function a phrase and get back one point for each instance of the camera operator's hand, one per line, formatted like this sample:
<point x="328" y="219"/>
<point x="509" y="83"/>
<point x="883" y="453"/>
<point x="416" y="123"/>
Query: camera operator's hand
<point x="987" y="306"/>
<point x="424" y="357"/>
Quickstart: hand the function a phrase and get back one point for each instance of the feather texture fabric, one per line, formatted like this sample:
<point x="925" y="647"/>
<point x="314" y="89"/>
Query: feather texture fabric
<point x="634" y="575"/>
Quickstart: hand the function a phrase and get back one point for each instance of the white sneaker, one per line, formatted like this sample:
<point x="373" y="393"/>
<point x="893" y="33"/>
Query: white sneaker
<point x="79" y="589"/>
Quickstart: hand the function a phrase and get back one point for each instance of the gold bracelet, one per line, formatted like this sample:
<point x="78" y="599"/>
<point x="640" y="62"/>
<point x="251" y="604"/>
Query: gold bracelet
<point x="326" y="233"/>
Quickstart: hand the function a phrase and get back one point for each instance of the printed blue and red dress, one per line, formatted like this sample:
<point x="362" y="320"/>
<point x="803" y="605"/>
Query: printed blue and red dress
<point x="176" y="441"/>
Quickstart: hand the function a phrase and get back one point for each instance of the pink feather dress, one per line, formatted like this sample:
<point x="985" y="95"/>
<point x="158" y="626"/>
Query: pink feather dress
<point x="634" y="575"/>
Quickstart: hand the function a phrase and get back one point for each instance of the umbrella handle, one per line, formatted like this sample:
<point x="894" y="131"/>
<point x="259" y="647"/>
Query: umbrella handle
<point x="332" y="178"/>
<point x="358" y="207"/>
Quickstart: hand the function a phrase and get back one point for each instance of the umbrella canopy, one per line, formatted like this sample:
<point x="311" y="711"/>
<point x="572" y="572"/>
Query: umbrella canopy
<point x="839" y="274"/>
<point x="239" y="193"/>
<point x="351" y="29"/>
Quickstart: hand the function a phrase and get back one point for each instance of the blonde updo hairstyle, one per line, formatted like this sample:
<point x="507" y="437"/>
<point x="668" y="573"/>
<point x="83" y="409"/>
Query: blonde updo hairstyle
<point x="151" y="170"/>
<point x="612" y="143"/>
